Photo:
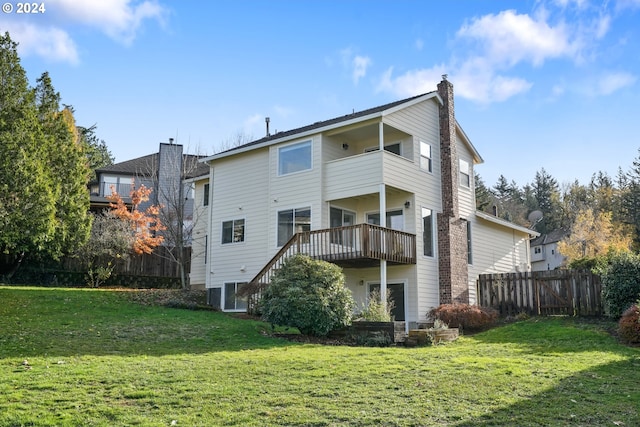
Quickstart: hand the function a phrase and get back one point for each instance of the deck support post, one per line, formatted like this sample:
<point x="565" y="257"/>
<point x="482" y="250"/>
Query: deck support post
<point x="383" y="262"/>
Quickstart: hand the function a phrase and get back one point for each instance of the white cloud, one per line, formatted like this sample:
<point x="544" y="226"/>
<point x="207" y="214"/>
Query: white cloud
<point x="509" y="38"/>
<point x="613" y="82"/>
<point x="356" y="65"/>
<point x="478" y="81"/>
<point x="490" y="52"/>
<point x="119" y="19"/>
<point x="412" y="82"/>
<point x="360" y="65"/>
<point x="50" y="43"/>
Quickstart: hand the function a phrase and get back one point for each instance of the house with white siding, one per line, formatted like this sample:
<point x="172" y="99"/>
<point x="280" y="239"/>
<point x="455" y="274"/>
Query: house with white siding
<point x="386" y="193"/>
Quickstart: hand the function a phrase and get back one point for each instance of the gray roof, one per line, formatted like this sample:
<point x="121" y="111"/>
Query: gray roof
<point x="552" y="237"/>
<point x="146" y="166"/>
<point x="318" y="125"/>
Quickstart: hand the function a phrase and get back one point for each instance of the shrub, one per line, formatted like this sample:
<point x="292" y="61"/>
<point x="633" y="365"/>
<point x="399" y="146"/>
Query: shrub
<point x="309" y="295"/>
<point x="621" y="283"/>
<point x="374" y="311"/>
<point x="464" y="316"/>
<point x="629" y="324"/>
<point x="373" y="339"/>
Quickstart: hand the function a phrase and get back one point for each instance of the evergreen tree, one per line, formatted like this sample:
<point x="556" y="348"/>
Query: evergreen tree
<point x="27" y="202"/>
<point x="509" y="201"/>
<point x="630" y="198"/>
<point x="44" y="200"/>
<point x="547" y="195"/>
<point x="68" y="170"/>
<point x="484" y="198"/>
<point x="96" y="150"/>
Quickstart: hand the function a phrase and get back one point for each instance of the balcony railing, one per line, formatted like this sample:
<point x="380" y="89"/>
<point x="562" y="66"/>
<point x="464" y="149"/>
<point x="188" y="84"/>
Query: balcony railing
<point x="105" y="189"/>
<point x="351" y="246"/>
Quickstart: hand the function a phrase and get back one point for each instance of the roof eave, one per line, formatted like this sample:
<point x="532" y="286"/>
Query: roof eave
<point x="505" y="223"/>
<point x="321" y="129"/>
<point x="477" y="158"/>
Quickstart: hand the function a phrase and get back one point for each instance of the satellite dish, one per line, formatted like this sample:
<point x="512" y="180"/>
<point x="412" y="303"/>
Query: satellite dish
<point x="535" y="217"/>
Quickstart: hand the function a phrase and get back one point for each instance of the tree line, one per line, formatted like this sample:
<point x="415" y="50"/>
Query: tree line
<point x="46" y="161"/>
<point x="599" y="217"/>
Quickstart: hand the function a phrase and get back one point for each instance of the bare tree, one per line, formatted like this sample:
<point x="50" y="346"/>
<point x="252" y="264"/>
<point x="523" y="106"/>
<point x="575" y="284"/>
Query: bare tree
<point x="236" y="140"/>
<point x="173" y="174"/>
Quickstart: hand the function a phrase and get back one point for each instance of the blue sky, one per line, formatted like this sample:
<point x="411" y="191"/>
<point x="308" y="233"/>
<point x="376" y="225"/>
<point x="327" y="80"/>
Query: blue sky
<point x="538" y="84"/>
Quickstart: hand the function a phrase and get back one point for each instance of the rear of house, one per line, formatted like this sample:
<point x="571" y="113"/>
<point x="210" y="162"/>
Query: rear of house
<point x="386" y="193"/>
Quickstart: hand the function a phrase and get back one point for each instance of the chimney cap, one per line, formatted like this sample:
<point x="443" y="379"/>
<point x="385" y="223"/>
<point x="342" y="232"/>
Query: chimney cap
<point x="444" y="77"/>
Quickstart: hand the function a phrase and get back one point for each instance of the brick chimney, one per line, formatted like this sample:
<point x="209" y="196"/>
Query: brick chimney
<point x="452" y="230"/>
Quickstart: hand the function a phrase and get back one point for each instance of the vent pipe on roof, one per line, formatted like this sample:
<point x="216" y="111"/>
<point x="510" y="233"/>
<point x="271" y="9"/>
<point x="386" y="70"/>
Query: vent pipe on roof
<point x="267" y="120"/>
<point x="171" y="141"/>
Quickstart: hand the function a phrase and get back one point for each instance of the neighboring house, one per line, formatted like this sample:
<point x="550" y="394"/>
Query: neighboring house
<point x="386" y="193"/>
<point x="172" y="175"/>
<point x="158" y="171"/>
<point x="544" y="251"/>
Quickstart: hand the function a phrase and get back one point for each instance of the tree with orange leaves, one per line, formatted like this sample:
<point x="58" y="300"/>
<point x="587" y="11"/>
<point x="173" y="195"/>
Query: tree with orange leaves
<point x="144" y="224"/>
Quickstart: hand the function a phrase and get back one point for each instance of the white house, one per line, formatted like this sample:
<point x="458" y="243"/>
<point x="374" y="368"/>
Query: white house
<point x="386" y="193"/>
<point x="544" y="251"/>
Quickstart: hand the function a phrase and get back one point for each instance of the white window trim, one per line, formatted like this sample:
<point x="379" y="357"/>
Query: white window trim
<point x="404" y="282"/>
<point x="223" y="296"/>
<point x="306" y="141"/>
<point x="294" y="208"/>
<point x="404" y="216"/>
<point x="434" y="239"/>
<point x="355" y="214"/>
<point x="244" y="235"/>
<point x="430" y="170"/>
<point x="468" y="173"/>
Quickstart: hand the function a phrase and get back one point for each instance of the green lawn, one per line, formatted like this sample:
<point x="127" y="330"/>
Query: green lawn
<point x="71" y="357"/>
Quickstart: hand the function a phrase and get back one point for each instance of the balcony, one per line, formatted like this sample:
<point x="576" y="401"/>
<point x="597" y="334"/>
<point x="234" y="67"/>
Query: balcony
<point x="99" y="192"/>
<point x="104" y="189"/>
<point x="362" y="174"/>
<point x="354" y="246"/>
<point x="362" y="245"/>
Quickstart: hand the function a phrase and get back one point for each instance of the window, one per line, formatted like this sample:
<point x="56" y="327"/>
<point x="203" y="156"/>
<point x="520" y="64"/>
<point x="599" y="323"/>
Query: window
<point x="427" y="231"/>
<point x="469" y="246"/>
<point x="425" y="156"/>
<point x="120" y="184"/>
<point x="233" y="231"/>
<point x="392" y="148"/>
<point x="294" y="158"/>
<point x="537" y="250"/>
<point x="395" y="219"/>
<point x="205" y="196"/>
<point x="293" y="221"/>
<point x="341" y="218"/>
<point x="465" y="175"/>
<point x="231" y="301"/>
<point x="206" y="248"/>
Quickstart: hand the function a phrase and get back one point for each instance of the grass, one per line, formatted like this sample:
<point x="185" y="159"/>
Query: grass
<point x="72" y="357"/>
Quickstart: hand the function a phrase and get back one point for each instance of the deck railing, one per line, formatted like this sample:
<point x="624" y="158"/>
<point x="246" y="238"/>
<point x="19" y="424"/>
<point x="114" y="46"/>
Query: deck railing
<point x="349" y="244"/>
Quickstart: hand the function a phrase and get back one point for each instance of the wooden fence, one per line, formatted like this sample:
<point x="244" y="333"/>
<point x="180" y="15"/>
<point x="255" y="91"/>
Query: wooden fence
<point x="555" y="292"/>
<point x="159" y="264"/>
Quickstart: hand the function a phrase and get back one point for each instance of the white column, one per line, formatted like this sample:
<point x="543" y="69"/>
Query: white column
<point x="383" y="262"/>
